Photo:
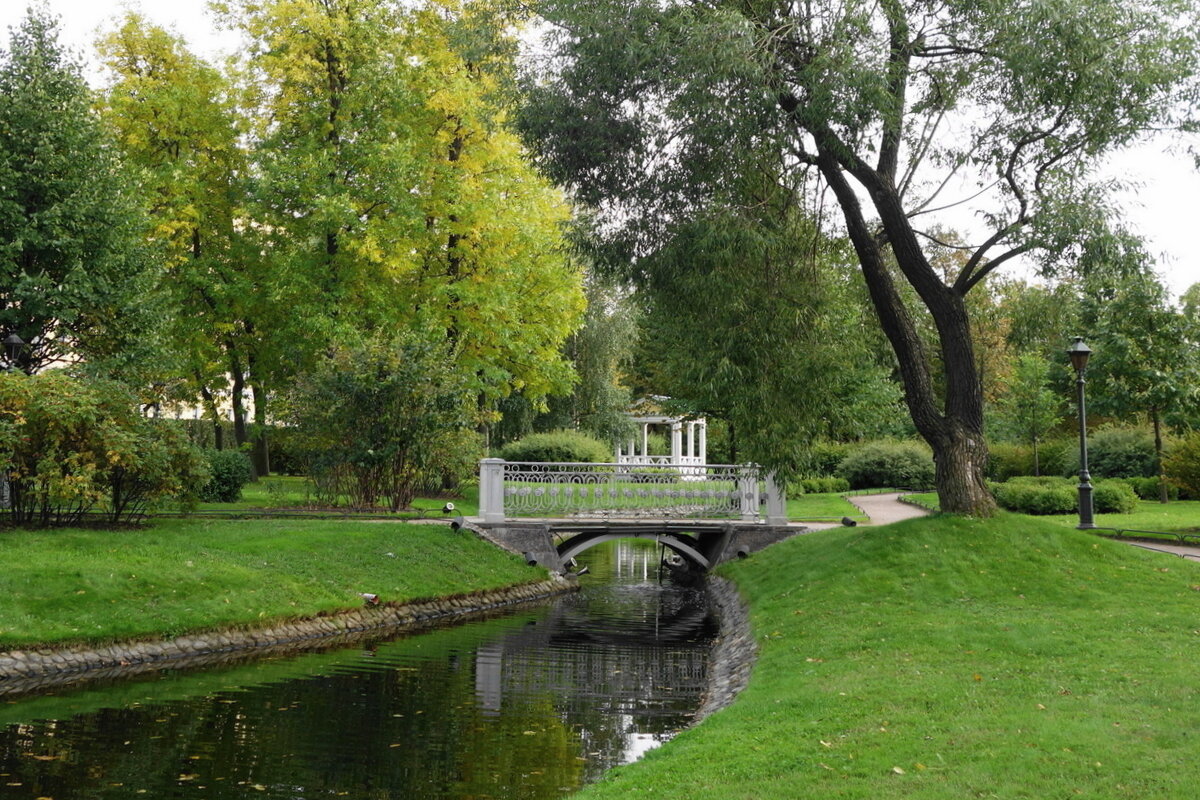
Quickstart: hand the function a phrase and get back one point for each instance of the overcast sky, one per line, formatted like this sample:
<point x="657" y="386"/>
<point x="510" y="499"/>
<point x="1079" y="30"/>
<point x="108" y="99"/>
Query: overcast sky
<point x="1164" y="208"/>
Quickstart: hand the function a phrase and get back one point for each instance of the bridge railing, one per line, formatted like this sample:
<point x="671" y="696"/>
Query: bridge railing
<point x="745" y="492"/>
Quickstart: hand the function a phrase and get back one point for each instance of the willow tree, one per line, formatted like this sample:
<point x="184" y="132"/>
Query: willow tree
<point x="645" y="107"/>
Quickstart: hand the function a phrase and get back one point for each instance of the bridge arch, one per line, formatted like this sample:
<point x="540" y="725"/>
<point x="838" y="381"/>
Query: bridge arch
<point x="685" y="546"/>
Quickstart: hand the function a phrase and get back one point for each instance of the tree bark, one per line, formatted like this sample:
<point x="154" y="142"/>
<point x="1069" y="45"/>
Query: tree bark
<point x="260" y="453"/>
<point x="954" y="427"/>
<point x="1163" y="495"/>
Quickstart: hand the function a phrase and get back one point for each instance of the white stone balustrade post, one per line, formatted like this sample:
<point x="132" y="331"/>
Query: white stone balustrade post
<point x="491" y="489"/>
<point x="776" y="502"/>
<point x="748" y="492"/>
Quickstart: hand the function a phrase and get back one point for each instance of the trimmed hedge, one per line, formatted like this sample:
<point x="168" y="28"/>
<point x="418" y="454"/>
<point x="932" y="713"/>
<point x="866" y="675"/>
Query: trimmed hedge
<point x="822" y="485"/>
<point x="563" y="446"/>
<point x="881" y="464"/>
<point x="1061" y="496"/>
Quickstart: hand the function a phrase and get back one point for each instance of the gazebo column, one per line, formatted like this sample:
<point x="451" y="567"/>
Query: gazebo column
<point x="703" y="441"/>
<point x="645" y="438"/>
<point x="676" y="442"/>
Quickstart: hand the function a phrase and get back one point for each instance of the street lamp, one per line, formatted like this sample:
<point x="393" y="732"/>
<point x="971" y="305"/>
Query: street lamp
<point x="1079" y="353"/>
<point x="12" y="349"/>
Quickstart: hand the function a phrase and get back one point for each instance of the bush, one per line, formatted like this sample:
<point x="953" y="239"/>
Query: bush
<point x="823" y="485"/>
<point x="1181" y="465"/>
<point x="824" y="457"/>
<point x="560" y="446"/>
<point x="1116" y="453"/>
<point x="1150" y="489"/>
<point x="1036" y="495"/>
<point x="380" y="419"/>
<point x="71" y="447"/>
<point x="228" y="472"/>
<point x="883" y="464"/>
<point x="1006" y="460"/>
<point x="1061" y="496"/>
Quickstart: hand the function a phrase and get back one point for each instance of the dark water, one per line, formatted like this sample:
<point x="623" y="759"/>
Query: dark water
<point x="530" y="705"/>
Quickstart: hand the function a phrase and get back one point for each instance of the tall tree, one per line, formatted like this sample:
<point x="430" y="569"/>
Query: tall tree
<point x="76" y="281"/>
<point x="1030" y="408"/>
<point x="649" y="106"/>
<point x="173" y="118"/>
<point x="394" y="196"/>
<point x="1146" y="360"/>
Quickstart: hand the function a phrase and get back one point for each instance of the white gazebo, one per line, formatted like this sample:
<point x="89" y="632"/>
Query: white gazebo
<point x="689" y="443"/>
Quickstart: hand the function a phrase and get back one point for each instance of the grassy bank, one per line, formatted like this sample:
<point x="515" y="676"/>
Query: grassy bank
<point x="182" y="575"/>
<point x="952" y="658"/>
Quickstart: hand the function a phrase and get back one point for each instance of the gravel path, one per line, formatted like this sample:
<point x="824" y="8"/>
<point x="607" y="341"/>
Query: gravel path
<point x="884" y="509"/>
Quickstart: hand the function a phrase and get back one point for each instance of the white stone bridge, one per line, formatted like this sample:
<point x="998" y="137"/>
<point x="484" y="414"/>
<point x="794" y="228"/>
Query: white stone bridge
<point x="706" y="513"/>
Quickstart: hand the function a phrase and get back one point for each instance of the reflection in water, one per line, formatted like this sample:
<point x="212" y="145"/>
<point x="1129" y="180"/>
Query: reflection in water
<point x="530" y="705"/>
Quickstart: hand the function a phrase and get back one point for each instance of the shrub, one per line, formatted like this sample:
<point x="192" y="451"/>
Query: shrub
<point x="888" y="464"/>
<point x="1181" y="465"/>
<point x="1116" y="453"/>
<point x="823" y="485"/>
<point x="228" y="472"/>
<point x="1113" y="497"/>
<point x="1150" y="489"/>
<point x="1007" y="460"/>
<point x="71" y="447"/>
<point x="378" y="419"/>
<point x="1036" y="495"/>
<point x="1051" y="495"/>
<point x="563" y="446"/>
<point x="824" y="457"/>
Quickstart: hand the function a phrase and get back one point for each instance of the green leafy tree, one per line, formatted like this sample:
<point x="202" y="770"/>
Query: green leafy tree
<point x="76" y="280"/>
<point x="1145" y="361"/>
<point x="599" y="352"/>
<point x="393" y="196"/>
<point x="649" y="106"/>
<point x="173" y="118"/>
<point x="1030" y="408"/>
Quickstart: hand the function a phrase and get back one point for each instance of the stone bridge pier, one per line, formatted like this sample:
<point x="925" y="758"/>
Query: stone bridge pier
<point x="703" y="545"/>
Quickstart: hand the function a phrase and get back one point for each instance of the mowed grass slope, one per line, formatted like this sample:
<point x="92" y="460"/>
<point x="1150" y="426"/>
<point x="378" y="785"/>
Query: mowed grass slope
<point x="952" y="658"/>
<point x="185" y="575"/>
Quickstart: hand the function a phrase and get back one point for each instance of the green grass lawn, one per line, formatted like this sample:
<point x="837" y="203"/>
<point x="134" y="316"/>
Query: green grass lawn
<point x="191" y="574"/>
<point x="822" y="508"/>
<point x="951" y="658"/>
<point x="295" y="493"/>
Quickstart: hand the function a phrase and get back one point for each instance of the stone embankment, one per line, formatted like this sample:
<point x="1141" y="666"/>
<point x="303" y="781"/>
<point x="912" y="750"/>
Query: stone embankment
<point x="36" y="669"/>
<point x="735" y="651"/>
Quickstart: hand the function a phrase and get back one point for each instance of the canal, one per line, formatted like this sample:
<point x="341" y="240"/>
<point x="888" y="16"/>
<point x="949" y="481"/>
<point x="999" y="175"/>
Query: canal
<point x="532" y="704"/>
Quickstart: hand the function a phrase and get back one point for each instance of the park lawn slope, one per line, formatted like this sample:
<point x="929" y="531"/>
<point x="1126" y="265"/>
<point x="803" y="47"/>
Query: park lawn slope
<point x="950" y="658"/>
<point x="67" y="586"/>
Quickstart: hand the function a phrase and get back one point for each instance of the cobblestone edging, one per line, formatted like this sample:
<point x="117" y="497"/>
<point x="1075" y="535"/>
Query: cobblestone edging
<point x="40" y="668"/>
<point x="735" y="651"/>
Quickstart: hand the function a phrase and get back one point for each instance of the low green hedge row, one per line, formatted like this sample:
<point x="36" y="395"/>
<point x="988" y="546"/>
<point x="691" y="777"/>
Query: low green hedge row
<point x="1061" y="496"/>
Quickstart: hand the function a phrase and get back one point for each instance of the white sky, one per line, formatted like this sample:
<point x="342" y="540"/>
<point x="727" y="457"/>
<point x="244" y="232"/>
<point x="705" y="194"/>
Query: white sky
<point x="1164" y="208"/>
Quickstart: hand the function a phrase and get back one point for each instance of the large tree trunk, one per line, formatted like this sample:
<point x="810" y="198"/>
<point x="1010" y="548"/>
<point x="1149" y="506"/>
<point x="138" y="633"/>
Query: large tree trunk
<point x="953" y="427"/>
<point x="240" y="434"/>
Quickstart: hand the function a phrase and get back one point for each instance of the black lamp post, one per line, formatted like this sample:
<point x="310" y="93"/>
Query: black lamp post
<point x="13" y="345"/>
<point x="1079" y="353"/>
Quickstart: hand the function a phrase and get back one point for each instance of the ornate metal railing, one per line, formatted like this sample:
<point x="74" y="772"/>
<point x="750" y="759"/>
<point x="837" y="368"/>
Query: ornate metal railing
<point x="587" y="491"/>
